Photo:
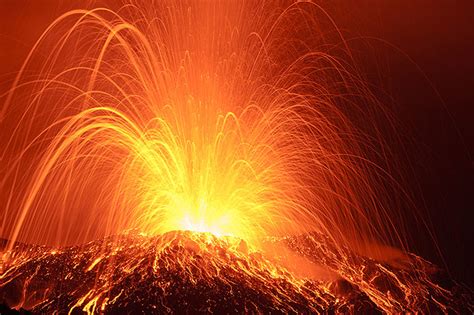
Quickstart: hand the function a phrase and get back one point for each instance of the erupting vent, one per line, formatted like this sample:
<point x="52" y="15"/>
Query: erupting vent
<point x="244" y="126"/>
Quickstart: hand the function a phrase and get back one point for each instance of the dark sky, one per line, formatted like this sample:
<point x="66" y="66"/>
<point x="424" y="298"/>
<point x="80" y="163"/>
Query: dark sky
<point x="436" y="37"/>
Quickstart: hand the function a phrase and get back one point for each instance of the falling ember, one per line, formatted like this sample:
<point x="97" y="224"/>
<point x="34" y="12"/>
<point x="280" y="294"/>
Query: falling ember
<point x="188" y="156"/>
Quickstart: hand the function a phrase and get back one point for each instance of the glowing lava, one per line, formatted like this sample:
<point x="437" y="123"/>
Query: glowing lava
<point x="233" y="118"/>
<point x="191" y="117"/>
<point x="199" y="273"/>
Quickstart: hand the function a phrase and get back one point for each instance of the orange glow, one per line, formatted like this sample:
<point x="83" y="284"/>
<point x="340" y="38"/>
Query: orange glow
<point x="171" y="122"/>
<point x="236" y="120"/>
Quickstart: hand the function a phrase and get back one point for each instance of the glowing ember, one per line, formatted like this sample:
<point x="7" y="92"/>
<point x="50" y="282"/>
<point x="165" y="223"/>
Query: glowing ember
<point x="192" y="118"/>
<point x="197" y="272"/>
<point x="230" y="120"/>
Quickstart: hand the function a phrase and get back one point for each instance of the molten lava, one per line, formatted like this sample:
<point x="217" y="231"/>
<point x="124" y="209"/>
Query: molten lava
<point x="198" y="272"/>
<point x="191" y="117"/>
<point x="237" y="121"/>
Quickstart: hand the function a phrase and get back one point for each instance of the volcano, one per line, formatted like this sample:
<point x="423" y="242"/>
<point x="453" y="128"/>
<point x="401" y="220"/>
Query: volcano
<point x="195" y="272"/>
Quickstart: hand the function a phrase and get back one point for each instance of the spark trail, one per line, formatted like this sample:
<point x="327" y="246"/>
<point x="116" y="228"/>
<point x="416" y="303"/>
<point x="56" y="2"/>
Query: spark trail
<point x="235" y="119"/>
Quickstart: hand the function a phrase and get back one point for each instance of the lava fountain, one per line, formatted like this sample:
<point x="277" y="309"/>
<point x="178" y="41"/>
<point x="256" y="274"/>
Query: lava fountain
<point x="235" y="121"/>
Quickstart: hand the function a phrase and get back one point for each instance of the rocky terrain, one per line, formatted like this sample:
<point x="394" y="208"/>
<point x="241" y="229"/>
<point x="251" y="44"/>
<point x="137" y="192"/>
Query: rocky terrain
<point x="189" y="272"/>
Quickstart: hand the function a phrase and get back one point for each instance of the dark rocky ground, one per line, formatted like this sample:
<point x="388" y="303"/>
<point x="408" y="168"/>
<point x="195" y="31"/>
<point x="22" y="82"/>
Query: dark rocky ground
<point x="185" y="272"/>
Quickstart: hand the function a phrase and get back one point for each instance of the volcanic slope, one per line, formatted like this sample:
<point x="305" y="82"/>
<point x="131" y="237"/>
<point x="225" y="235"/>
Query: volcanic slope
<point x="200" y="273"/>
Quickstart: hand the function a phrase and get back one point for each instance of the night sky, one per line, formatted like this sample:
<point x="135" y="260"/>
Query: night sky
<point x="434" y="106"/>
